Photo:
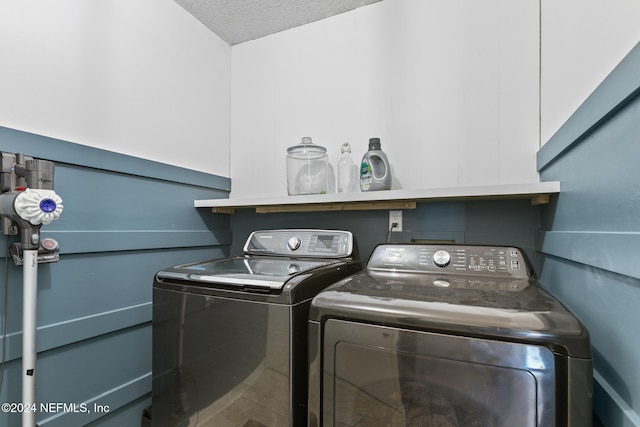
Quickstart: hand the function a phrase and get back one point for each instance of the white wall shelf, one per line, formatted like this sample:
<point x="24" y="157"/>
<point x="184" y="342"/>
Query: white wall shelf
<point x="538" y="192"/>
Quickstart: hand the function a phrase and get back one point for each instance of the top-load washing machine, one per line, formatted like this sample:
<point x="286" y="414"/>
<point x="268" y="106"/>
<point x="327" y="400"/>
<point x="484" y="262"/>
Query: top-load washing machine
<point x="446" y="336"/>
<point x="230" y="335"/>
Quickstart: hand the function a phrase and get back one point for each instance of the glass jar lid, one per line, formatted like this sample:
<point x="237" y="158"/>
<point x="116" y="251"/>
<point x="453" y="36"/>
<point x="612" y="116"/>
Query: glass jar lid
<point x="306" y="147"/>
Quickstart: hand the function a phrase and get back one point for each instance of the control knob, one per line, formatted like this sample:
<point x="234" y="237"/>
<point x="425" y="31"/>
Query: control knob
<point x="441" y="258"/>
<point x="294" y="243"/>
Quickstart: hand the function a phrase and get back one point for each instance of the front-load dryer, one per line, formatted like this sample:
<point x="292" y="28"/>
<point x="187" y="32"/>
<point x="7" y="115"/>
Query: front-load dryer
<point x="446" y="336"/>
<point x="230" y="335"/>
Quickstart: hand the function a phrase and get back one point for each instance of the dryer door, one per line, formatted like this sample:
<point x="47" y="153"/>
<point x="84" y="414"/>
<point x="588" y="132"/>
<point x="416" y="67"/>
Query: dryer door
<point x="376" y="375"/>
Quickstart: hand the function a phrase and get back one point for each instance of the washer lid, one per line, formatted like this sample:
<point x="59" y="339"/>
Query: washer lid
<point x="258" y="272"/>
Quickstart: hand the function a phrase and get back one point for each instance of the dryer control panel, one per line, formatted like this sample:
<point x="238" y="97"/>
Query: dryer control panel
<point x="301" y="243"/>
<point x="453" y="259"/>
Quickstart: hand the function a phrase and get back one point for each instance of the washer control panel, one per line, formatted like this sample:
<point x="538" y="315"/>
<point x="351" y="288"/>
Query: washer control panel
<point x="452" y="259"/>
<point x="301" y="243"/>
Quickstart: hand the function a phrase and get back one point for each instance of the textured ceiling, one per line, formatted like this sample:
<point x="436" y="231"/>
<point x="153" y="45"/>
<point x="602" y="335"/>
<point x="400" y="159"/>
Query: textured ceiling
<point x="237" y="21"/>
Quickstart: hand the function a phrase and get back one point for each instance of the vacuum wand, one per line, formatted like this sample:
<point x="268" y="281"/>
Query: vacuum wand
<point x="29" y="206"/>
<point x="29" y="330"/>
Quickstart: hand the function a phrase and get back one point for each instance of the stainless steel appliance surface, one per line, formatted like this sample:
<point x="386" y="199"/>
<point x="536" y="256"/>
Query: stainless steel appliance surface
<point x="230" y="335"/>
<point x="446" y="335"/>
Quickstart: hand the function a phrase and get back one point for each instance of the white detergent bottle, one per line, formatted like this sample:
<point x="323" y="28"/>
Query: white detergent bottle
<point x="375" y="173"/>
<point x="347" y="171"/>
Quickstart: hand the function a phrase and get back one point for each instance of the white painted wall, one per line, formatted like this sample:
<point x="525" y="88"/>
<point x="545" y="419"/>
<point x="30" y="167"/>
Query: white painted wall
<point x="582" y="42"/>
<point x="451" y="88"/>
<point x="141" y="77"/>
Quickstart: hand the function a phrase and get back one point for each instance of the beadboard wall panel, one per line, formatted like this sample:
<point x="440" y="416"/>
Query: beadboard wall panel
<point x="124" y="219"/>
<point x="590" y="233"/>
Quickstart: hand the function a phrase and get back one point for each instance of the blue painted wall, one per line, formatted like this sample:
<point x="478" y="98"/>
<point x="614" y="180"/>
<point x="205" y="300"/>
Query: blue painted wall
<point x="505" y="222"/>
<point x="124" y="219"/>
<point x="590" y="234"/>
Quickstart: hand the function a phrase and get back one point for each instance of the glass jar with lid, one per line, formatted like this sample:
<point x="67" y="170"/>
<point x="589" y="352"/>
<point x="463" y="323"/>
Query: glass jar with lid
<point x="307" y="168"/>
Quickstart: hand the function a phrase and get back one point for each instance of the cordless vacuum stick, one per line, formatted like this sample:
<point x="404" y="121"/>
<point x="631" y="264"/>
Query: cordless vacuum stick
<point x="29" y="207"/>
